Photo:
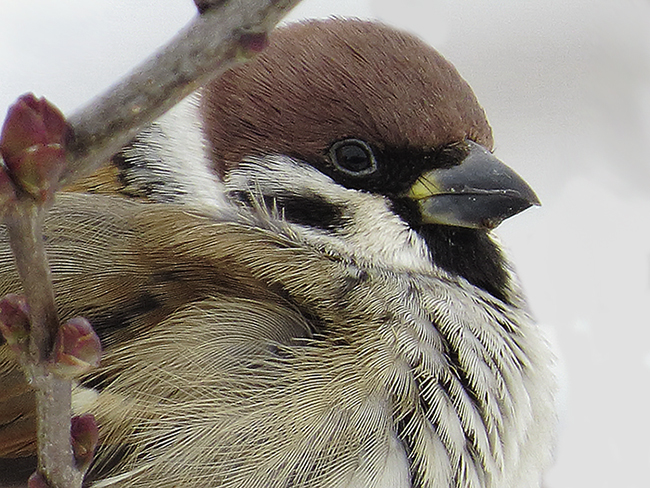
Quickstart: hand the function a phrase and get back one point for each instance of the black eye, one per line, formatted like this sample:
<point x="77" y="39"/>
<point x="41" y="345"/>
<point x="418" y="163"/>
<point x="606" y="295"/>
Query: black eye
<point x="353" y="157"/>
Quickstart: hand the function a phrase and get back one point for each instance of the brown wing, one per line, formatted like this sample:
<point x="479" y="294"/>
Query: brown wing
<point x="128" y="267"/>
<point x="105" y="181"/>
<point x="17" y="420"/>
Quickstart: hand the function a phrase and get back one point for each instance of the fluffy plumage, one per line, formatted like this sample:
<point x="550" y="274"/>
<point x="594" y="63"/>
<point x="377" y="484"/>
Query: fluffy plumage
<point x="307" y="324"/>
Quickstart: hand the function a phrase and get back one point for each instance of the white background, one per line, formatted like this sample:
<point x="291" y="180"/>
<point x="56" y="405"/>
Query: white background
<point x="566" y="86"/>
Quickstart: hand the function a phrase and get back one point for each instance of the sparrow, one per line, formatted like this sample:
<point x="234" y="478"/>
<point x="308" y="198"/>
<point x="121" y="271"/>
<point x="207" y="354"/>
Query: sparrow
<point x="305" y="289"/>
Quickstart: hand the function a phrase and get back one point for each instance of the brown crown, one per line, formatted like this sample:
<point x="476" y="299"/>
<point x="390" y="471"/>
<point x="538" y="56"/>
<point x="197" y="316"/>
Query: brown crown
<point x="322" y="81"/>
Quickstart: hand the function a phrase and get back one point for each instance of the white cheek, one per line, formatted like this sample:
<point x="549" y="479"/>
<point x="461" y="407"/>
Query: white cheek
<point x="178" y="151"/>
<point x="373" y="234"/>
<point x="373" y="222"/>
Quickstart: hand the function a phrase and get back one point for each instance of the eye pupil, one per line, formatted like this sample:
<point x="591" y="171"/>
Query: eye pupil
<point x="353" y="157"/>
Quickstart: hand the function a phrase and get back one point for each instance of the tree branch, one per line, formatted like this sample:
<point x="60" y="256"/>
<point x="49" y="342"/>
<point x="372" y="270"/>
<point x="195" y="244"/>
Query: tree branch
<point x="53" y="394"/>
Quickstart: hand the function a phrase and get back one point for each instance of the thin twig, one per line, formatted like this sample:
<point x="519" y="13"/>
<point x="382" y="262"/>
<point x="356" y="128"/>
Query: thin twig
<point x="24" y="226"/>
<point x="53" y="394"/>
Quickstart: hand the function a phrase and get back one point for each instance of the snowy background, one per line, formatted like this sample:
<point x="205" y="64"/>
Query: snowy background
<point x="566" y="86"/>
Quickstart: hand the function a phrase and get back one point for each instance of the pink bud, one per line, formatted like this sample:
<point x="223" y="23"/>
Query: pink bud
<point x="36" y="480"/>
<point x="14" y="322"/>
<point x="84" y="435"/>
<point x="252" y="43"/>
<point x="32" y="144"/>
<point x="30" y="122"/>
<point x="77" y="349"/>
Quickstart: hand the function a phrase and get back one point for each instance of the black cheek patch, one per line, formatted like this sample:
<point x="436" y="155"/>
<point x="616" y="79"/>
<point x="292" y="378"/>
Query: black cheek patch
<point x="310" y="211"/>
<point x="469" y="253"/>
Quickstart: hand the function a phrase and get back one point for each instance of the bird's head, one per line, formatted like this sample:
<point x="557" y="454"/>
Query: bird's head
<point x="377" y="112"/>
<point x="373" y="108"/>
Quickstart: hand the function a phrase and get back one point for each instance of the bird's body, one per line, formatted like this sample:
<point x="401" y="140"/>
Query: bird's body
<point x="316" y="322"/>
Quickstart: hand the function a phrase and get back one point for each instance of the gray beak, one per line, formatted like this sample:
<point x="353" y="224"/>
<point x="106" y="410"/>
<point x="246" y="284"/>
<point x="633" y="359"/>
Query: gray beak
<point x="480" y="192"/>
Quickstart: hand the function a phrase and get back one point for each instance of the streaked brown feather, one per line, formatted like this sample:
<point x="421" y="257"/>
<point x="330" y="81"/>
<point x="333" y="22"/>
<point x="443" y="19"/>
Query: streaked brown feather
<point x="106" y="253"/>
<point x="105" y="181"/>
<point x="17" y="416"/>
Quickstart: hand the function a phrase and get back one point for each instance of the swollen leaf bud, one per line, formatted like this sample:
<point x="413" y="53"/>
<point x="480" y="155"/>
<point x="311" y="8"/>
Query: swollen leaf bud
<point x="84" y="435"/>
<point x="251" y="44"/>
<point x="14" y="322"/>
<point x="77" y="349"/>
<point x="32" y="144"/>
<point x="37" y="480"/>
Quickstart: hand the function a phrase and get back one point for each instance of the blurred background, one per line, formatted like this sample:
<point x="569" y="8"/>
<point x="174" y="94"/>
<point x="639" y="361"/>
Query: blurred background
<point x="566" y="86"/>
